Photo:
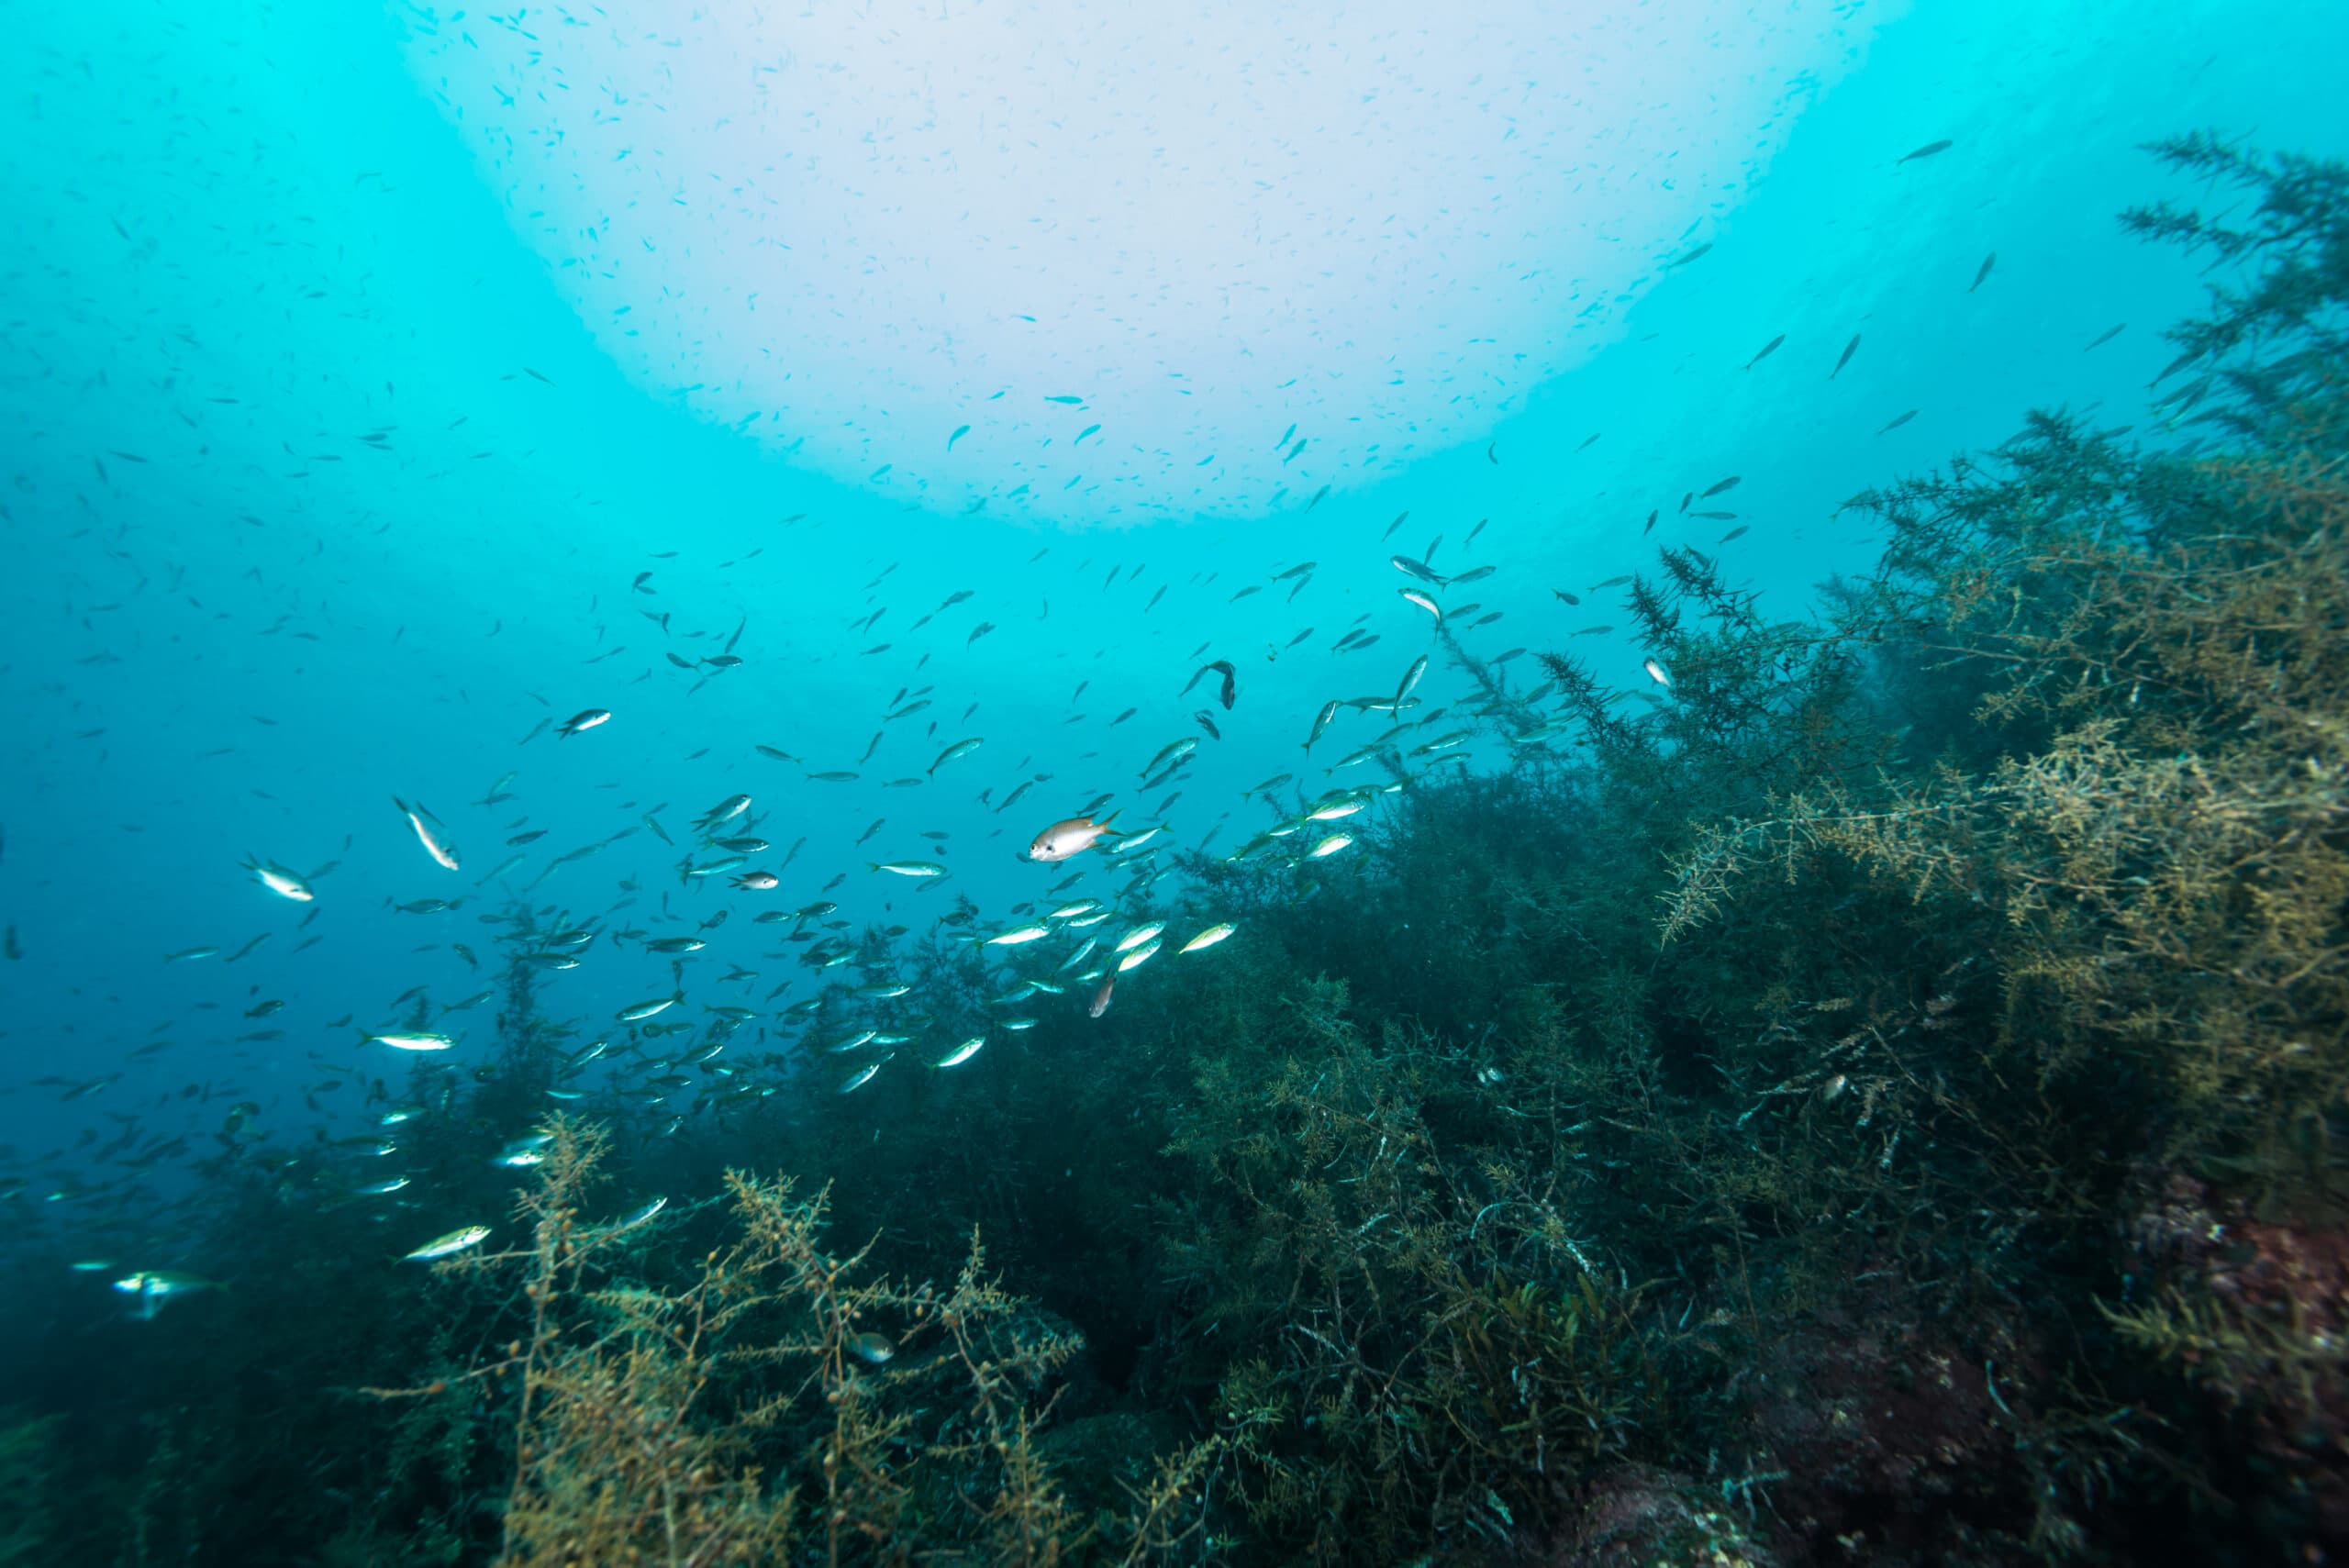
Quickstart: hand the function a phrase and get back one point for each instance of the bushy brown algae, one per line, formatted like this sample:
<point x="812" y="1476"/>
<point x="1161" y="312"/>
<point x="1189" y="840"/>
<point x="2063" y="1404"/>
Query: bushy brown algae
<point x="639" y="1412"/>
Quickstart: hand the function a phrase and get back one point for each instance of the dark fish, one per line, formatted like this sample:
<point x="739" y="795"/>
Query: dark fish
<point x="1849" y="349"/>
<point x="1925" y="151"/>
<point x="1230" y="687"/>
<point x="1563" y="594"/>
<point x="1988" y="262"/>
<point x="1900" y="421"/>
<point x="1725" y="485"/>
<point x="1767" y="349"/>
<point x="2108" y="338"/>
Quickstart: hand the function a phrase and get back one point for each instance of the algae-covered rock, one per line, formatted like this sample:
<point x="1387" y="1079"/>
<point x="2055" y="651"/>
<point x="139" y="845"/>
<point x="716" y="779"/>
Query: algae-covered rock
<point x="1640" y="1517"/>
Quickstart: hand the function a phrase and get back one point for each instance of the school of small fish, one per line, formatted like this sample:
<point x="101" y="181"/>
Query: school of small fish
<point x="1110" y="870"/>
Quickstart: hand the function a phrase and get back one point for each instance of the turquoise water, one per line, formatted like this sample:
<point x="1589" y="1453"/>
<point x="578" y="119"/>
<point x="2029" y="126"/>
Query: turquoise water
<point x="378" y="387"/>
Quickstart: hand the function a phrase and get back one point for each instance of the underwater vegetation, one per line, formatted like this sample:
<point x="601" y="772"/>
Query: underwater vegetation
<point x="1876" y="1098"/>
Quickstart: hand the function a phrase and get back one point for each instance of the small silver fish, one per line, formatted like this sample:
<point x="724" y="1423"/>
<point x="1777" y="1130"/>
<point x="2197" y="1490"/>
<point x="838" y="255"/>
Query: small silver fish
<point x="428" y="832"/>
<point x="416" y="1042"/>
<point x="863" y="1075"/>
<point x="1207" y="937"/>
<point x="447" y="1246"/>
<point x="280" y="881"/>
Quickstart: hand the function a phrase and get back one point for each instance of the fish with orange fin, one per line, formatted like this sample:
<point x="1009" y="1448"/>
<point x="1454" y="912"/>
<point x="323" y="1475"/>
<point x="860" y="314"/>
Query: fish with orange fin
<point x="1069" y="837"/>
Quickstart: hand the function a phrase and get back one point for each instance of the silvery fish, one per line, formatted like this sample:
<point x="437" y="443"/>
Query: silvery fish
<point x="1207" y="937"/>
<point x="447" y="1246"/>
<point x="428" y="832"/>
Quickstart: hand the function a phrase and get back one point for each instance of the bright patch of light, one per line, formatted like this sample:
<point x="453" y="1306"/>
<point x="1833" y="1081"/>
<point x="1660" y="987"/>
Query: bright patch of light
<point x="1127" y="246"/>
